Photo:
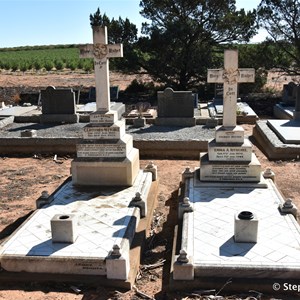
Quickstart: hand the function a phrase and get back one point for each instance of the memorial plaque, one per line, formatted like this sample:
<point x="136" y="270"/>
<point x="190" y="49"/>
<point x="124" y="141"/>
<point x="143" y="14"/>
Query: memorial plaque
<point x="112" y="132"/>
<point x="101" y="150"/>
<point x="107" y="118"/>
<point x="107" y="148"/>
<point x="234" y="135"/>
<point x="230" y="152"/>
<point x="228" y="172"/>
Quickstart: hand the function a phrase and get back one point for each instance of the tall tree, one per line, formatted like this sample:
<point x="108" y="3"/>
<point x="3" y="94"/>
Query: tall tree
<point x="182" y="35"/>
<point x="281" y="18"/>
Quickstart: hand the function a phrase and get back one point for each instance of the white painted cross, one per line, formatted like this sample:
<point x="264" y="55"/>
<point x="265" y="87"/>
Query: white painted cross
<point x="101" y="51"/>
<point x="230" y="76"/>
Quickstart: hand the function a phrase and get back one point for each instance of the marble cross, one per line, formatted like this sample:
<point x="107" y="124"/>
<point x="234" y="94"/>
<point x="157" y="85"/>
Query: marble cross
<point x="230" y="76"/>
<point x="101" y="51"/>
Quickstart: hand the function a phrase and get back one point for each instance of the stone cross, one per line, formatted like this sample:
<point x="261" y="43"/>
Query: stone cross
<point x="100" y="50"/>
<point x="230" y="76"/>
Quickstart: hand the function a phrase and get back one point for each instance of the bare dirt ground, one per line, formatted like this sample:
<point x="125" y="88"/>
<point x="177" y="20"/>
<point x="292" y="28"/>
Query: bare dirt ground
<point x="22" y="179"/>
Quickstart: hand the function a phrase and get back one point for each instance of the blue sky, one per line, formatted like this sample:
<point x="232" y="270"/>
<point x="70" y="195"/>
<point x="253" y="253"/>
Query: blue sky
<point x="45" y="22"/>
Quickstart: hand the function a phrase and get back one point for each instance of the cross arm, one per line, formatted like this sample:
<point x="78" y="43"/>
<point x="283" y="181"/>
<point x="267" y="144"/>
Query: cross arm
<point x="107" y="51"/>
<point x="215" y="76"/>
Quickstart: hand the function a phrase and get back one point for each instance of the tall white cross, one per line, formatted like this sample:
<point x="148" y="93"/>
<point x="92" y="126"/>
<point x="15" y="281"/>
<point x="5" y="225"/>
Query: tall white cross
<point x="230" y="76"/>
<point x="101" y="51"/>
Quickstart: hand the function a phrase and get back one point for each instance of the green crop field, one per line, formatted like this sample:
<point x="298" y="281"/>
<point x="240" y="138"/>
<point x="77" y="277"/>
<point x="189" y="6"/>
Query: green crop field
<point x="43" y="57"/>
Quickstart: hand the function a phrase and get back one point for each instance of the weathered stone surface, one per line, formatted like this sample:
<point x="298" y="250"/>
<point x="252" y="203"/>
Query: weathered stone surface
<point x="175" y="104"/>
<point x="230" y="171"/>
<point x="230" y="152"/>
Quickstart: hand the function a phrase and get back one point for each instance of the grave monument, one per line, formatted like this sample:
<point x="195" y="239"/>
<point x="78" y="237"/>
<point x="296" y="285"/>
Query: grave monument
<point x="234" y="222"/>
<point x="289" y="130"/>
<point x="175" y="108"/>
<point x="230" y="156"/>
<point x="284" y="109"/>
<point x="86" y="227"/>
<point x="280" y="139"/>
<point x="58" y="106"/>
<point x="106" y="155"/>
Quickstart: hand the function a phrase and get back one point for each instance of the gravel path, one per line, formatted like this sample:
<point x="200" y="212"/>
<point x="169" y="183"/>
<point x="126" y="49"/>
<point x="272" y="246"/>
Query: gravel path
<point x="150" y="132"/>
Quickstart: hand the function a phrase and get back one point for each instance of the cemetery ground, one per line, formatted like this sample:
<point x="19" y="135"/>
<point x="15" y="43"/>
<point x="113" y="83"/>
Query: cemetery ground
<point x="23" y="178"/>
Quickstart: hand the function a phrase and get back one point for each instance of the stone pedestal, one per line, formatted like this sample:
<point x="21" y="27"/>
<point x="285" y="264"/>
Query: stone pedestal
<point x="106" y="155"/>
<point x="230" y="158"/>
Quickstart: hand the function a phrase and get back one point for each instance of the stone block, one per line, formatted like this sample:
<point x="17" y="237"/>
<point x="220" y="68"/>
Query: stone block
<point x="58" y="101"/>
<point x="105" y="148"/>
<point x="230" y="152"/>
<point x="185" y="122"/>
<point x="117" y="267"/>
<point x="64" y="228"/>
<point x="99" y="117"/>
<point x="29" y="133"/>
<point x="118" y="171"/>
<point x="245" y="227"/>
<point x="234" y="134"/>
<point x="175" y="104"/>
<point x="230" y="171"/>
<point x="95" y="131"/>
<point x="60" y="118"/>
<point x="183" y="268"/>
<point x="139" y="122"/>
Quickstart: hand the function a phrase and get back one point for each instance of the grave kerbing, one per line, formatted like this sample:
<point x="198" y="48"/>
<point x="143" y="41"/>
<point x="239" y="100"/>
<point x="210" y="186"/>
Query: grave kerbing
<point x="229" y="216"/>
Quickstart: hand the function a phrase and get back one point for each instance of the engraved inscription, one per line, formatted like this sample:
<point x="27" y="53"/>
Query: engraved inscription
<point x="101" y="150"/>
<point x="102" y="132"/>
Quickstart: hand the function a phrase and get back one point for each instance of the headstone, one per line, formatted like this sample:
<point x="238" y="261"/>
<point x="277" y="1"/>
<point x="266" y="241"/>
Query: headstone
<point x="175" y="108"/>
<point x="289" y="94"/>
<point x="285" y="109"/>
<point x="230" y="157"/>
<point x="106" y="155"/>
<point x="58" y="105"/>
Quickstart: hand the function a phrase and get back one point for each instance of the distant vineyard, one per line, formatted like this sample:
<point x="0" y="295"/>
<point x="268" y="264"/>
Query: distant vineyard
<point x="43" y="58"/>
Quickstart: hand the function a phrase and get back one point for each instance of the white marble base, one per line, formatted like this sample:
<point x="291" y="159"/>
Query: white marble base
<point x="230" y="152"/>
<point x="230" y="134"/>
<point x="105" y="148"/>
<point x="230" y="171"/>
<point x="104" y="219"/>
<point x="106" y="171"/>
<point x="96" y="131"/>
<point x="210" y="239"/>
<point x="98" y="117"/>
